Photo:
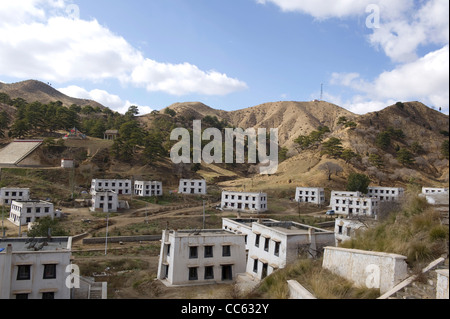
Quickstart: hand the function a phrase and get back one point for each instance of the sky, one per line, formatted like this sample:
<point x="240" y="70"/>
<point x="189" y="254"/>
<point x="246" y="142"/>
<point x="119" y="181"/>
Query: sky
<point x="363" y="55"/>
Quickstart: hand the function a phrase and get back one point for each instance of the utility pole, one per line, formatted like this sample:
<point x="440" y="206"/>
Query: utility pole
<point x="203" y="214"/>
<point x="106" y="238"/>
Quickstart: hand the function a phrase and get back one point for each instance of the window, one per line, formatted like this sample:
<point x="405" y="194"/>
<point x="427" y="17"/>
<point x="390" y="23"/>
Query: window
<point x="257" y="240"/>
<point x="48" y="295"/>
<point x="49" y="271"/>
<point x="38" y="209"/>
<point x="193" y="252"/>
<point x="266" y="244"/>
<point x="46" y="209"/>
<point x="277" y="249"/>
<point x="255" y="265"/>
<point x="168" y="250"/>
<point x="226" y="251"/>
<point x="209" y="272"/>
<point x="28" y="210"/>
<point x="22" y="296"/>
<point x="193" y="274"/>
<point x="340" y="230"/>
<point x="209" y="251"/>
<point x="23" y="272"/>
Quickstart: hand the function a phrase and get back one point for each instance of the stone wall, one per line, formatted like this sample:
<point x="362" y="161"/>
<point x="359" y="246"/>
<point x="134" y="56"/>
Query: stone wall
<point x="442" y="284"/>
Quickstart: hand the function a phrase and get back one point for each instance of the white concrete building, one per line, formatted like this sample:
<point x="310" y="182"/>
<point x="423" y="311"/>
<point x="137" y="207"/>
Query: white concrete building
<point x="190" y="257"/>
<point x="314" y="195"/>
<point x="192" y="186"/>
<point x="241" y="201"/>
<point x="148" y="188"/>
<point x="386" y="194"/>
<point x="353" y="203"/>
<point x="24" y="212"/>
<point x="104" y="201"/>
<point x="273" y="244"/>
<point x="35" y="268"/>
<point x="119" y="186"/>
<point x="346" y="228"/>
<point x="10" y="194"/>
<point x="434" y="190"/>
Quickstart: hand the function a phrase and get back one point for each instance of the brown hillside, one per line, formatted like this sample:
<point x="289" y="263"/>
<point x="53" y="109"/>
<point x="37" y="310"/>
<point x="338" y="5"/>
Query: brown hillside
<point x="32" y="90"/>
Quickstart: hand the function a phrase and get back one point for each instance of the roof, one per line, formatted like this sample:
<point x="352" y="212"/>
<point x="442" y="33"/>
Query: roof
<point x="112" y="132"/>
<point x="17" y="151"/>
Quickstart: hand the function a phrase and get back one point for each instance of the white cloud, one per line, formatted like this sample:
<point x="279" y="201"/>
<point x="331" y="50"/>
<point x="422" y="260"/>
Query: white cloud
<point x="44" y="42"/>
<point x="425" y="80"/>
<point x="112" y="101"/>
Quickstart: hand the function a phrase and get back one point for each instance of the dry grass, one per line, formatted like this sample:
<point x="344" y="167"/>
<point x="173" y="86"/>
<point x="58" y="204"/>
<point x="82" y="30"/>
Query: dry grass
<point x="415" y="232"/>
<point x="320" y="282"/>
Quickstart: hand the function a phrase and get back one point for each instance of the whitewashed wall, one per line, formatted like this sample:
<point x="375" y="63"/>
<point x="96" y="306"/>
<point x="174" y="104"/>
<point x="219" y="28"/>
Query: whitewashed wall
<point x="366" y="268"/>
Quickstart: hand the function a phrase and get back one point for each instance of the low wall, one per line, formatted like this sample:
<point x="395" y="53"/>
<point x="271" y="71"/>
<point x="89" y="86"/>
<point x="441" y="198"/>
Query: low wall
<point x="100" y="240"/>
<point x="297" y="291"/>
<point x="366" y="268"/>
<point x="442" y="284"/>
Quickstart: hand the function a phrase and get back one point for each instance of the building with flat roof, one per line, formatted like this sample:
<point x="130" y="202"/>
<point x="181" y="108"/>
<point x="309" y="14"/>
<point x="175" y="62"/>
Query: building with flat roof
<point x="119" y="186"/>
<point x="148" y="188"/>
<point x="273" y="244"/>
<point x="313" y="195"/>
<point x="386" y="194"/>
<point x="25" y="212"/>
<point x="193" y="257"/>
<point x="104" y="201"/>
<point x="434" y="190"/>
<point x="10" y="194"/>
<point x="242" y="201"/>
<point x="192" y="186"/>
<point x="35" y="268"/>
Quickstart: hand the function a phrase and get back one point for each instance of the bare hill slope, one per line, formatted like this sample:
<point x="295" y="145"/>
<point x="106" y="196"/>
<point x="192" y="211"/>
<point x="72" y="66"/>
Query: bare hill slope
<point x="32" y="90"/>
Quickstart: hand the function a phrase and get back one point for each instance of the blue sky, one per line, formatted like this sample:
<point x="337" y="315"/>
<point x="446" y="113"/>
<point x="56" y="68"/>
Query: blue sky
<point x="230" y="54"/>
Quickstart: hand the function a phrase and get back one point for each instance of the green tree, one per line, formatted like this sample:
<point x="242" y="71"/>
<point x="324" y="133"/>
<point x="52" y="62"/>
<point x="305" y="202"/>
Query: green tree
<point x="417" y="149"/>
<point x="405" y="157"/>
<point x="332" y="147"/>
<point x="44" y="225"/>
<point x="444" y="149"/>
<point x="376" y="160"/>
<point x="383" y="140"/>
<point x="347" y="155"/>
<point x="170" y="112"/>
<point x="19" y="129"/>
<point x="4" y="123"/>
<point x="358" y="183"/>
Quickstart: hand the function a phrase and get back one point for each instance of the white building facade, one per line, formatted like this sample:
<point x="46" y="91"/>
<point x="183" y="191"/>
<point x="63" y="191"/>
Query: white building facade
<point x="148" y="188"/>
<point x="10" y="194"/>
<point x="241" y="201"/>
<point x="192" y="186"/>
<point x="346" y="229"/>
<point x="434" y="190"/>
<point x="104" y="201"/>
<point x="386" y="194"/>
<point x="119" y="186"/>
<point x="314" y="195"/>
<point x="35" y="269"/>
<point x="274" y="244"/>
<point x="25" y="212"/>
<point x="354" y="204"/>
<point x="190" y="257"/>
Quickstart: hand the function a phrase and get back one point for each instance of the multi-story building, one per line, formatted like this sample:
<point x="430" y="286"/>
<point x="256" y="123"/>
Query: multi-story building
<point x="25" y="212"/>
<point x="314" y="195"/>
<point x="119" y="186"/>
<point x="104" y="201"/>
<point x="355" y="204"/>
<point x="10" y="194"/>
<point x="190" y="257"/>
<point x="274" y="244"/>
<point x="148" y="188"/>
<point x="192" y="186"/>
<point x="241" y="201"/>
<point x="386" y="194"/>
<point x="434" y="190"/>
<point x="35" y="268"/>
